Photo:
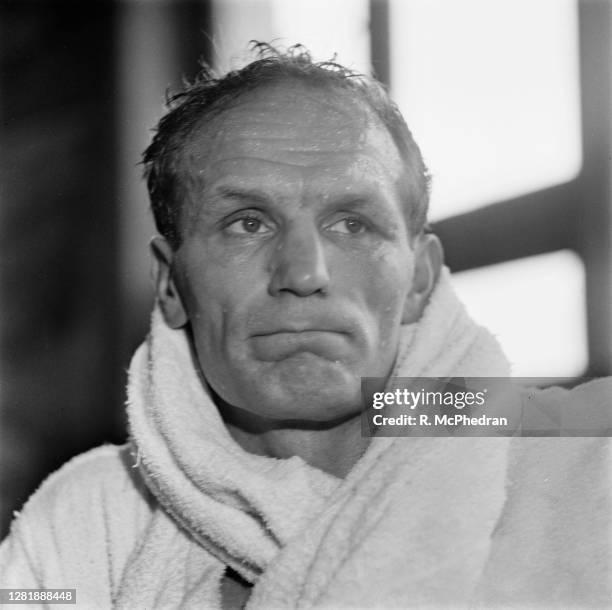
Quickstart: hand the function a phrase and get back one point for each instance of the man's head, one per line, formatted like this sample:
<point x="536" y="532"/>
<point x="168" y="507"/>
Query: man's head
<point x="292" y="201"/>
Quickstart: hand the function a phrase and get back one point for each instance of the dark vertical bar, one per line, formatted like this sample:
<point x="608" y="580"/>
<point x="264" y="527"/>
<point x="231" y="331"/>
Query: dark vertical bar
<point x="193" y="40"/>
<point x="594" y="203"/>
<point x="158" y="45"/>
<point x="379" y="41"/>
<point x="58" y="252"/>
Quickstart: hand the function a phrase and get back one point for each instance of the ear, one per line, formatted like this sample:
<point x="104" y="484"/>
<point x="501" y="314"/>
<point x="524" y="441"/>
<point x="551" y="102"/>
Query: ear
<point x="168" y="297"/>
<point x="429" y="256"/>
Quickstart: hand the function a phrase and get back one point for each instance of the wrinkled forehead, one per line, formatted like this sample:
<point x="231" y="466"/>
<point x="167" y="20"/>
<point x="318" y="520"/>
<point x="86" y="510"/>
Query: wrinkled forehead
<point x="296" y="119"/>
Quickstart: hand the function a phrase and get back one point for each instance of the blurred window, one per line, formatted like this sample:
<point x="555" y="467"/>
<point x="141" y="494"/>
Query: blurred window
<point x="536" y="308"/>
<point x="325" y="27"/>
<point x="491" y="92"/>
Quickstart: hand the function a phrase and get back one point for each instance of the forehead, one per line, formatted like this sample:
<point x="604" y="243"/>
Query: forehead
<point x="291" y="124"/>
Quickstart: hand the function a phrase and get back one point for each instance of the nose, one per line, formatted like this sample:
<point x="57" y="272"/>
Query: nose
<point x="298" y="263"/>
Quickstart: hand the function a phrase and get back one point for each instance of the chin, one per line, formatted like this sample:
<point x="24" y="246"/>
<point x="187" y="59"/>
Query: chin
<point x="305" y="388"/>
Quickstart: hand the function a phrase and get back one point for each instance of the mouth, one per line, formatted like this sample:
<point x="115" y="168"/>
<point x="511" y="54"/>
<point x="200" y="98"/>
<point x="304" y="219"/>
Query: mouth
<point x="278" y="344"/>
<point x="304" y="322"/>
<point x="297" y="330"/>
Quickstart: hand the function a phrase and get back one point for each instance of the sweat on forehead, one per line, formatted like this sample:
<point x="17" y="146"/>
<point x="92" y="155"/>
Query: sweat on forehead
<point x="329" y="96"/>
<point x="291" y="114"/>
<point x="271" y="141"/>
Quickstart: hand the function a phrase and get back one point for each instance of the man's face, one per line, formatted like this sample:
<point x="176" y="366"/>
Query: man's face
<point x="295" y="264"/>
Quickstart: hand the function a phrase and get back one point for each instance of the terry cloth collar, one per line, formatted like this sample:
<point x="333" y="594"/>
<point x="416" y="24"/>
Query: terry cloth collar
<point x="244" y="508"/>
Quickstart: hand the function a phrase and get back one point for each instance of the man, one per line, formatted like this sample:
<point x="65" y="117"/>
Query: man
<point x="293" y="260"/>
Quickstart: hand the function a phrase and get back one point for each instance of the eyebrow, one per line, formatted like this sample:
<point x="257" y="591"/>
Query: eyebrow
<point x="365" y="199"/>
<point x="368" y="202"/>
<point x="221" y="200"/>
<point x="242" y="195"/>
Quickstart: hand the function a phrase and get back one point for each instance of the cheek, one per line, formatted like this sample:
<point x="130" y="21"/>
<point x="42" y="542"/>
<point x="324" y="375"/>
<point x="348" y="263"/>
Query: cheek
<point x="214" y="313"/>
<point x="386" y="279"/>
<point x="210" y="282"/>
<point x="212" y="296"/>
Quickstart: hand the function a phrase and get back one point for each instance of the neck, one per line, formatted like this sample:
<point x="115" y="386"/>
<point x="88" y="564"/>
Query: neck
<point x="333" y="448"/>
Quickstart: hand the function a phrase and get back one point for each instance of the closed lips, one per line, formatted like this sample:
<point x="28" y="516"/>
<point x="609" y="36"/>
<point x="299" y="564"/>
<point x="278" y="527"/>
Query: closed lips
<point x="277" y="345"/>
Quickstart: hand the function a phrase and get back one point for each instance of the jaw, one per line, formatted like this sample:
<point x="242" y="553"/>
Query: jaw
<point x="303" y="386"/>
<point x="320" y="380"/>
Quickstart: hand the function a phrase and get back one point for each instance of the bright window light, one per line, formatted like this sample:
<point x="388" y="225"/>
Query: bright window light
<point x="536" y="308"/>
<point x="491" y="93"/>
<point x="325" y="27"/>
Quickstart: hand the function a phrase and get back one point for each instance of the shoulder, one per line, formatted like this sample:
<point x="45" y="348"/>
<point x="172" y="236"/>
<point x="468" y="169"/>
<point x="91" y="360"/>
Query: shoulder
<point x="102" y="468"/>
<point x="583" y="411"/>
<point x="85" y="519"/>
<point x="103" y="475"/>
<point x="596" y="391"/>
<point x="558" y="506"/>
<point x="556" y="480"/>
<point x="575" y="447"/>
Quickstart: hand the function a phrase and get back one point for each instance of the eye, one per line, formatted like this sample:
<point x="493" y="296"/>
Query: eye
<point x="247" y="225"/>
<point x="349" y="226"/>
